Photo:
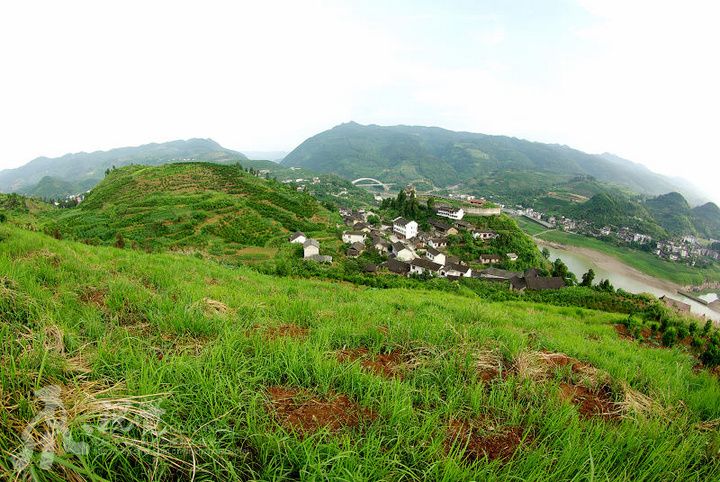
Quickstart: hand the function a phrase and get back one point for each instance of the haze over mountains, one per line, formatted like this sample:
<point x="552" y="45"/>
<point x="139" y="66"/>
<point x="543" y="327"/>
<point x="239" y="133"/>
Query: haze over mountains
<point x="74" y="173"/>
<point x="429" y="157"/>
<point x="437" y="157"/>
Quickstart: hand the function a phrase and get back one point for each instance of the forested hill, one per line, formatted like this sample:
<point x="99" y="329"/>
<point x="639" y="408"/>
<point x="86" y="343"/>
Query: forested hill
<point x="73" y="173"/>
<point x="667" y="214"/>
<point x="441" y="157"/>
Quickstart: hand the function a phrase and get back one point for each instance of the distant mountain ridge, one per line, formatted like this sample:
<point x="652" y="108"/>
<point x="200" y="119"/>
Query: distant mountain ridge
<point x="440" y="157"/>
<point x="667" y="214"/>
<point x="83" y="169"/>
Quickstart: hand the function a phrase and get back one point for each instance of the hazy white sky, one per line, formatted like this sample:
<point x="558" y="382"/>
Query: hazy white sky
<point x="639" y="78"/>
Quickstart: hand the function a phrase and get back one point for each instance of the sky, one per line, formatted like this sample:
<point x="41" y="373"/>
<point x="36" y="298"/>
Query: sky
<point x="637" y="78"/>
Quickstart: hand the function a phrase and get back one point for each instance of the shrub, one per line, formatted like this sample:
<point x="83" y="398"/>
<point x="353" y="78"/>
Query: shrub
<point x="707" y="327"/>
<point x="3" y="217"/>
<point x="692" y="327"/>
<point x="711" y="356"/>
<point x="682" y="331"/>
<point x="669" y="337"/>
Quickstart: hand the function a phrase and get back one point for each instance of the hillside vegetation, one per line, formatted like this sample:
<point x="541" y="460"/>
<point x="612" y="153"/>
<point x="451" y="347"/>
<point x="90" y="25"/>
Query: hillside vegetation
<point x="74" y="173"/>
<point x="211" y="208"/>
<point x="170" y="367"/>
<point x="430" y="156"/>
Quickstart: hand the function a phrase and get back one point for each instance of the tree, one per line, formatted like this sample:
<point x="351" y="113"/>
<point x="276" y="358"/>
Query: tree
<point x="3" y="217"/>
<point x="374" y="220"/>
<point x="431" y="204"/>
<point x="546" y="253"/>
<point x="561" y="270"/>
<point x="119" y="241"/>
<point x="588" y="278"/>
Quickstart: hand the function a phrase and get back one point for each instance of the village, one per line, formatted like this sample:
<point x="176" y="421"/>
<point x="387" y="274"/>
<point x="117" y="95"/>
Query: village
<point x="409" y="251"/>
<point x="686" y="249"/>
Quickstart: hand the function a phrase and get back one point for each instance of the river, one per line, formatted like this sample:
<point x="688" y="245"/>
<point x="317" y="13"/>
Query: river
<point x="580" y="260"/>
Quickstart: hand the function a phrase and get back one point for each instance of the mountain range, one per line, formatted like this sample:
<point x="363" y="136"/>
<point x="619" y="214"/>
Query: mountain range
<point x="74" y="173"/>
<point x="432" y="157"/>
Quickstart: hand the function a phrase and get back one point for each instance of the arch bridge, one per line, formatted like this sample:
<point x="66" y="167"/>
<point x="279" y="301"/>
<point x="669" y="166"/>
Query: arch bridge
<point x="371" y="182"/>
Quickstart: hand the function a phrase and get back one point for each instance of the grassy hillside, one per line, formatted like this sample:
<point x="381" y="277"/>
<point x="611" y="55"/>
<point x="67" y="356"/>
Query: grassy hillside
<point x="85" y="169"/>
<point x="211" y="208"/>
<point x="440" y="157"/>
<point x="170" y="367"/>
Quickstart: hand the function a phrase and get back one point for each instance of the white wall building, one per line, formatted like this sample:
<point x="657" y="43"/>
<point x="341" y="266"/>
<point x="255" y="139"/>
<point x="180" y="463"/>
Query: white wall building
<point x="450" y="212"/>
<point x="406" y="229"/>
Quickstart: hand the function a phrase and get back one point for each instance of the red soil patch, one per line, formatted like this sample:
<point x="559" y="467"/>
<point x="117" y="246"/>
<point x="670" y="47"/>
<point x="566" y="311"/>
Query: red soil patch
<point x="298" y="410"/>
<point x="93" y="296"/>
<point x="590" y="403"/>
<point x="383" y="364"/>
<point x="287" y="330"/>
<point x="561" y="360"/>
<point x="623" y="332"/>
<point x="495" y="443"/>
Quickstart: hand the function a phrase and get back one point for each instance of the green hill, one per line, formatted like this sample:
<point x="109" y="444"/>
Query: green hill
<point x="672" y="212"/>
<point x="430" y="156"/>
<point x="209" y="207"/>
<point x="616" y="209"/>
<point x="706" y="219"/>
<point x="83" y="170"/>
<point x="168" y="367"/>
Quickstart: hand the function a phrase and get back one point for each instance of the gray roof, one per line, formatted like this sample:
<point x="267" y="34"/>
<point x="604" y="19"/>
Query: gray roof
<point x="400" y="221"/>
<point x="433" y="251"/>
<point x="540" y="283"/>
<point x="498" y="273"/>
<point x="456" y="267"/>
<point x="311" y="242"/>
<point x="426" y="264"/>
<point x="320" y="258"/>
<point x="296" y="235"/>
<point x="397" y="266"/>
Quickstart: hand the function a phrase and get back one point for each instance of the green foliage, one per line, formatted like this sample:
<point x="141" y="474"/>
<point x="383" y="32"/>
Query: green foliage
<point x="128" y="327"/>
<point x="588" y="278"/>
<point x="203" y="206"/>
<point x="75" y="173"/>
<point x="491" y="165"/>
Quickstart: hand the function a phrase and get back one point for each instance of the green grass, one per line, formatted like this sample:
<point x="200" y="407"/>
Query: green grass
<point x="648" y="263"/>
<point x="85" y="317"/>
<point x="206" y="207"/>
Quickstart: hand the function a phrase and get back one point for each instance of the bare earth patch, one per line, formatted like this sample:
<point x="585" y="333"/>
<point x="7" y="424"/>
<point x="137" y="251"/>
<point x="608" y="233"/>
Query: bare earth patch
<point x="288" y="330"/>
<point x="482" y="440"/>
<point x="389" y="365"/>
<point x="591" y="403"/>
<point x="93" y="296"/>
<point x="623" y="332"/>
<point x="302" y="412"/>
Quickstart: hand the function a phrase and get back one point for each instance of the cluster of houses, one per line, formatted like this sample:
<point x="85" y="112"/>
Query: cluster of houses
<point x="311" y="248"/>
<point x="686" y="249"/>
<point x="414" y="252"/>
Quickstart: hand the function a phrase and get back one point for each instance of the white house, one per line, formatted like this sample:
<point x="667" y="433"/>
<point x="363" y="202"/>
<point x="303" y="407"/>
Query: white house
<point x="421" y="265"/>
<point x="402" y="252"/>
<point x="435" y="256"/>
<point x="406" y="229"/>
<point x="311" y="247"/>
<point x="452" y="269"/>
<point x="437" y="243"/>
<point x="353" y="237"/>
<point x="298" y="237"/>
<point x="484" y="234"/>
<point x="450" y="212"/>
<point x="512" y="256"/>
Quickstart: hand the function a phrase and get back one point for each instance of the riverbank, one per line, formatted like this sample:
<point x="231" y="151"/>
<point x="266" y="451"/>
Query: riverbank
<point x="621" y="275"/>
<point x="686" y="277"/>
<point x="612" y="264"/>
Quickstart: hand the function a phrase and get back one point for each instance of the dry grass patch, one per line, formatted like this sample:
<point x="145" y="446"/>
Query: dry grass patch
<point x="287" y="330"/>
